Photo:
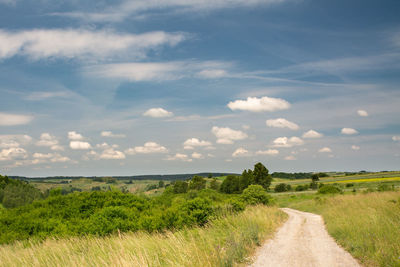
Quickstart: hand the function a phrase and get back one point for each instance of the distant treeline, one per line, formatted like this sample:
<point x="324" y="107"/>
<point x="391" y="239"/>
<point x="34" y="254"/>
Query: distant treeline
<point x="296" y="175"/>
<point x="166" y="177"/>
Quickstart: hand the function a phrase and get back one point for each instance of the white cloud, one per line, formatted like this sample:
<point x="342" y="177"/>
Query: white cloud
<point x="282" y="123"/>
<point x="255" y="104"/>
<point x="349" y="131"/>
<point x="191" y="143"/>
<point x="196" y="155"/>
<point x="59" y="158"/>
<point x="8" y="119"/>
<point x="212" y="73"/>
<point x="287" y="142"/>
<point x="110" y="153"/>
<point x="271" y="152"/>
<point x="396" y="138"/>
<point x="147" y="148"/>
<point x="13" y="153"/>
<point x="362" y="113"/>
<point x="112" y="135"/>
<point x="71" y="43"/>
<point x="48" y="140"/>
<point x="42" y="156"/>
<point x="354" y="147"/>
<point x="226" y="135"/>
<point x="312" y="134"/>
<point x="37" y="96"/>
<point x="179" y="156"/>
<point x="240" y="152"/>
<point x="291" y="157"/>
<point x="7" y="141"/>
<point x="106" y="146"/>
<point x="158" y="113"/>
<point x="79" y="145"/>
<point x="144" y="8"/>
<point x="154" y="71"/>
<point x="325" y="150"/>
<point x="74" y="136"/>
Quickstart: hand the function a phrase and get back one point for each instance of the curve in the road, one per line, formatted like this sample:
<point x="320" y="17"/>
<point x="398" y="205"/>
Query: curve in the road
<point x="303" y="241"/>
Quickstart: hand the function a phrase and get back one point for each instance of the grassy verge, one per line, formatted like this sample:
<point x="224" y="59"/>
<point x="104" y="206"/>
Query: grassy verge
<point x="366" y="225"/>
<point x="224" y="242"/>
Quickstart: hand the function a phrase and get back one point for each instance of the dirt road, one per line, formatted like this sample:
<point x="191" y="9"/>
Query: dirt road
<point x="303" y="241"/>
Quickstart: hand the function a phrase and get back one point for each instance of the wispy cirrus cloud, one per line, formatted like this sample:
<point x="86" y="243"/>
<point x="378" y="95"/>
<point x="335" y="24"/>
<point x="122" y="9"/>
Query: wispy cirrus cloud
<point x="82" y="44"/>
<point x="145" y="8"/>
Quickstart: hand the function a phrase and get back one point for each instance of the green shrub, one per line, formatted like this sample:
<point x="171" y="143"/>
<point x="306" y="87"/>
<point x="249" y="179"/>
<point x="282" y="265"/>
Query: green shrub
<point x="255" y="194"/>
<point x="282" y="187"/>
<point x="329" y="189"/>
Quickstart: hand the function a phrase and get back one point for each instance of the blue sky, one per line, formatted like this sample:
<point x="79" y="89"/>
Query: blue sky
<point x="139" y="87"/>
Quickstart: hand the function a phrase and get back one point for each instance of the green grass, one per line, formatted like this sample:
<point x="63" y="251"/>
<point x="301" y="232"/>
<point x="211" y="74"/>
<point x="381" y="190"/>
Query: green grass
<point x="224" y="242"/>
<point x="366" y="225"/>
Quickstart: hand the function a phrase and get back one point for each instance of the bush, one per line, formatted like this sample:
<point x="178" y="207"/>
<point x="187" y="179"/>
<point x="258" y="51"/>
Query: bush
<point x="349" y="185"/>
<point x="329" y="189"/>
<point x="282" y="187"/>
<point x="255" y="194"/>
<point x="231" y="185"/>
<point x="301" y="188"/>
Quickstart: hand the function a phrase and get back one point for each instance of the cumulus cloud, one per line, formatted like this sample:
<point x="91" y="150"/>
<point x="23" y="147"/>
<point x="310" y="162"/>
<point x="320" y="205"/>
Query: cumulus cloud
<point x="8" y="119"/>
<point x="196" y="155"/>
<point x="7" y="141"/>
<point x="354" y="147"/>
<point x="79" y="145"/>
<point x="226" y="135"/>
<point x="349" y="131"/>
<point x="112" y="135"/>
<point x="287" y="142"/>
<point x="270" y="152"/>
<point x="362" y="113"/>
<point x="396" y="138"/>
<point x="158" y="113"/>
<point x="291" y="157"/>
<point x="282" y="123"/>
<point x="255" y="104"/>
<point x="43" y="158"/>
<point x="312" y="134"/>
<point x="83" y="44"/>
<point x="191" y="143"/>
<point x="13" y="153"/>
<point x="59" y="158"/>
<point x="325" y="150"/>
<point x="48" y="140"/>
<point x="240" y="152"/>
<point x="147" y="148"/>
<point x="110" y="153"/>
<point x="74" y="136"/>
<point x="179" y="156"/>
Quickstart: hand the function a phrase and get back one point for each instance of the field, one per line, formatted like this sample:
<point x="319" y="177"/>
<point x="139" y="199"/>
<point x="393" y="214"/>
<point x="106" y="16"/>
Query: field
<point x="224" y="242"/>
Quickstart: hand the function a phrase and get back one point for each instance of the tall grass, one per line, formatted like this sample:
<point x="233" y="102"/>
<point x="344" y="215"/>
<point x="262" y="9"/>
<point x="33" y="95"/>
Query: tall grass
<point x="366" y="225"/>
<point x="224" y="242"/>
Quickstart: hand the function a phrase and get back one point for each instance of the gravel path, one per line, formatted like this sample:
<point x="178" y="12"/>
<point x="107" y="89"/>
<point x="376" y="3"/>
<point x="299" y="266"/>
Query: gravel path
<point x="303" y="241"/>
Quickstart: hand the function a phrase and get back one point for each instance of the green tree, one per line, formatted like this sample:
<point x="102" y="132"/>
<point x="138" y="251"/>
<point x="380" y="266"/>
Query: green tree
<point x="231" y="185"/>
<point x="261" y="176"/>
<point x="197" y="183"/>
<point x="255" y="194"/>
<point x="315" y="177"/>
<point x="180" y="187"/>
<point x="246" y="179"/>
<point x="161" y="184"/>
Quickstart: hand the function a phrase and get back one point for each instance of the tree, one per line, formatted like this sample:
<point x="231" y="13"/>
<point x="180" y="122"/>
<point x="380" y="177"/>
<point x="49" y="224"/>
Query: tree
<point x="261" y="176"/>
<point x="282" y="188"/>
<point x="255" y="194"/>
<point x="210" y="175"/>
<point x="315" y="177"/>
<point x="231" y="185"/>
<point x="246" y="179"/>
<point x="161" y="184"/>
<point x="180" y="187"/>
<point x="197" y="183"/>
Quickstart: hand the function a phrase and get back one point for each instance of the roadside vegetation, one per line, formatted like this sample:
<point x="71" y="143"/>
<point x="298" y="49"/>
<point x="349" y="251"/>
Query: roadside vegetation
<point x="365" y="224"/>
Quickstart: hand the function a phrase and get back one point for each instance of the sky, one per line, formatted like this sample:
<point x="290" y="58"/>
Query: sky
<point x="182" y="86"/>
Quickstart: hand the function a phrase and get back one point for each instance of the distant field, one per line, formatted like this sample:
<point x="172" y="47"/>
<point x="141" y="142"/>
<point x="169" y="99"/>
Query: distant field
<point x="384" y="179"/>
